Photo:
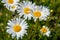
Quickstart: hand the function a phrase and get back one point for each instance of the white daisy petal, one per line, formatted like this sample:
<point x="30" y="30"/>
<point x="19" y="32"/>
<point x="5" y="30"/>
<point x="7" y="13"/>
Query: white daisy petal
<point x="48" y="33"/>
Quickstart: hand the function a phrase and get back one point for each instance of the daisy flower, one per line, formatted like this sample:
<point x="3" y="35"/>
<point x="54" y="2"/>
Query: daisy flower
<point x="45" y="31"/>
<point x="25" y="8"/>
<point x="40" y="12"/>
<point x="17" y="27"/>
<point x="9" y="3"/>
<point x="13" y="8"/>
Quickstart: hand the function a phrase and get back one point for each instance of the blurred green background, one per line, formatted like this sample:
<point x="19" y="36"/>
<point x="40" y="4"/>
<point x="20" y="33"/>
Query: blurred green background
<point x="53" y="22"/>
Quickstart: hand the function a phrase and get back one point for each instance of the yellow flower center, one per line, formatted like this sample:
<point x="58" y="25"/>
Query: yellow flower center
<point x="13" y="7"/>
<point x="37" y="13"/>
<point x="17" y="28"/>
<point x="10" y="1"/>
<point x="27" y="10"/>
<point x="43" y="30"/>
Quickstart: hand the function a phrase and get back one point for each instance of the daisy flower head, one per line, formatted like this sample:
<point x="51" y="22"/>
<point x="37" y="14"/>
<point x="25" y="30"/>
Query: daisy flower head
<point x="25" y="8"/>
<point x="40" y="12"/>
<point x="13" y="8"/>
<point x="45" y="31"/>
<point x="9" y="3"/>
<point x="17" y="27"/>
